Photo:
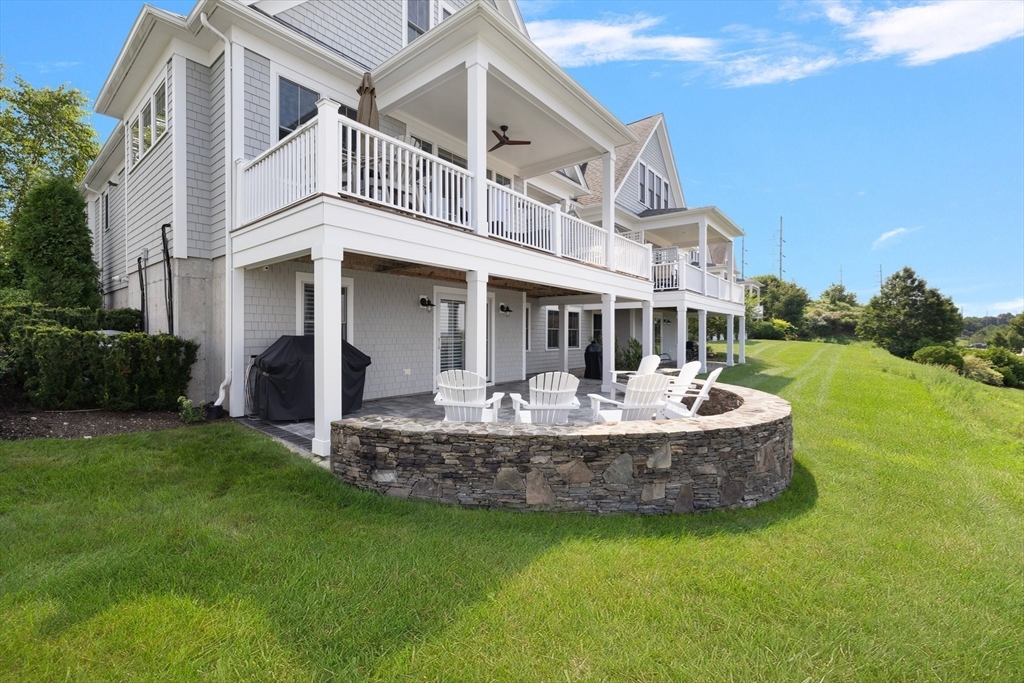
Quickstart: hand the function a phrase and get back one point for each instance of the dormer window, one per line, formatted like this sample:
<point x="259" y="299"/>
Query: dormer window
<point x="653" y="188"/>
<point x="418" y="18"/>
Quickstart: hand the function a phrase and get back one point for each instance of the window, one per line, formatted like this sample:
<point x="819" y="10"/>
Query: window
<point x="306" y="301"/>
<point x="658" y="322"/>
<point x="499" y="179"/>
<point x="418" y="143"/>
<point x="135" y="142"/>
<point x="348" y="112"/>
<point x="598" y="326"/>
<point x="147" y="127"/>
<point x="419" y="18"/>
<point x="653" y="189"/>
<point x="160" y="111"/>
<point x="446" y="11"/>
<point x="526" y="323"/>
<point x="553" y="331"/>
<point x="452" y="157"/>
<point x="295" y="106"/>
<point x="574" y="329"/>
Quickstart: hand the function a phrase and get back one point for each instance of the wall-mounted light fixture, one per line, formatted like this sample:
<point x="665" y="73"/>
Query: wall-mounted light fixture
<point x="426" y="303"/>
<point x="111" y="183"/>
<point x="505" y="309"/>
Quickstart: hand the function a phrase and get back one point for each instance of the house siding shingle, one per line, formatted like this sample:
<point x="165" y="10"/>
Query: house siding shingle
<point x="259" y="129"/>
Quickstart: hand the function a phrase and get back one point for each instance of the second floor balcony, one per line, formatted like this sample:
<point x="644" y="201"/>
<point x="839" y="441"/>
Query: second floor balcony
<point x="337" y="156"/>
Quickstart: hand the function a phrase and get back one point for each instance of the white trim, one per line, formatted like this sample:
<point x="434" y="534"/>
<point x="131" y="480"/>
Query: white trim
<point x="527" y="310"/>
<point x="157" y="80"/>
<point x="527" y="313"/>
<point x="548" y="310"/>
<point x="579" y="327"/>
<point x="179" y="163"/>
<point x="303" y="79"/>
<point x="441" y="7"/>
<point x="302" y="278"/>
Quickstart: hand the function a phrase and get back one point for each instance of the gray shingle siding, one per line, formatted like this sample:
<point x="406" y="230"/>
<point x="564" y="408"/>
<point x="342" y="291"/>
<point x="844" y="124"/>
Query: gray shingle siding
<point x="259" y="130"/>
<point x="197" y="106"/>
<point x="539" y="358"/>
<point x="366" y="31"/>
<point x="217" y="140"/>
<point x="113" y="236"/>
<point x="654" y="158"/>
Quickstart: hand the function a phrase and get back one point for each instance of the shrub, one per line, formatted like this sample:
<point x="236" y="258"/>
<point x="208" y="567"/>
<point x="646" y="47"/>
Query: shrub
<point x="51" y="243"/>
<point x="980" y="370"/>
<point x="774" y="329"/>
<point x="1009" y="365"/>
<point x="189" y="413"/>
<point x="939" y="355"/>
<point x="628" y="358"/>
<point x="21" y="315"/>
<point x="147" y="372"/>
<point x="68" y="368"/>
<point x="120" y="319"/>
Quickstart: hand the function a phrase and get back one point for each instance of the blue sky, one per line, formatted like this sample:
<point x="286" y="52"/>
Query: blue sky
<point x="886" y="134"/>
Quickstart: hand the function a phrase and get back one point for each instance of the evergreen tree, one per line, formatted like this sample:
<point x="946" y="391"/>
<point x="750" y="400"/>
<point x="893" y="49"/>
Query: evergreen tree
<point x="908" y="315"/>
<point x="783" y="300"/>
<point x="52" y="245"/>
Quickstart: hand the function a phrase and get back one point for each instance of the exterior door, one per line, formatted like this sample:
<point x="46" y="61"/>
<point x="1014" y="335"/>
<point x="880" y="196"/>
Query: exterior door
<point x="451" y="333"/>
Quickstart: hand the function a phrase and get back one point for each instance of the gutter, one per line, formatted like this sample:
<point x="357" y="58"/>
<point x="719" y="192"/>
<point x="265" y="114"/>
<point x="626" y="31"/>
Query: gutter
<point x="229" y="205"/>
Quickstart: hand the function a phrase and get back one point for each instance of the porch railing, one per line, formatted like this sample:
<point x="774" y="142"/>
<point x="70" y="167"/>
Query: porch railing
<point x="692" y="278"/>
<point x="665" y="276"/>
<point x="378" y="168"/>
<point x="583" y="241"/>
<point x="632" y="257"/>
<point x="282" y="175"/>
<point x="517" y="218"/>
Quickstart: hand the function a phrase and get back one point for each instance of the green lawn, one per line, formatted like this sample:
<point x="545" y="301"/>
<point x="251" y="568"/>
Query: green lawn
<point x="214" y="554"/>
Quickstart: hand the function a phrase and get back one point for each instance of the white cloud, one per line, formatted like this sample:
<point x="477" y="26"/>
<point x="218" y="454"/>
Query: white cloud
<point x="586" y="43"/>
<point x="887" y="238"/>
<point x="926" y="33"/>
<point x="762" y="69"/>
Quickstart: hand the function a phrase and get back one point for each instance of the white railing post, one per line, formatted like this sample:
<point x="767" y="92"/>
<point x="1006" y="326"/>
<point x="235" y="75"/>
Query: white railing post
<point x="556" y="230"/>
<point x="241" y="213"/>
<point x="608" y="206"/>
<point x="329" y="147"/>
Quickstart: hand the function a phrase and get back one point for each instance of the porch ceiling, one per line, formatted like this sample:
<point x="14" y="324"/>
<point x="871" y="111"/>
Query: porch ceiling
<point x="379" y="264"/>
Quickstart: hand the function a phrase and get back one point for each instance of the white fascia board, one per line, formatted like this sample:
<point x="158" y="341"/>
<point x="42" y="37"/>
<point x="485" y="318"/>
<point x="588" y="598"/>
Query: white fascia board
<point x="480" y="21"/>
<point x="274" y="7"/>
<point x="697" y="301"/>
<point x="294" y="232"/>
<point x="510" y="10"/>
<point x="110" y="160"/>
<point x="636" y="160"/>
<point x="670" y="161"/>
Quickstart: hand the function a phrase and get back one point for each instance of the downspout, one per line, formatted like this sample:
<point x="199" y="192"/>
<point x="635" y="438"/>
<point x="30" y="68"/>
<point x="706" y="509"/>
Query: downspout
<point x="229" y="204"/>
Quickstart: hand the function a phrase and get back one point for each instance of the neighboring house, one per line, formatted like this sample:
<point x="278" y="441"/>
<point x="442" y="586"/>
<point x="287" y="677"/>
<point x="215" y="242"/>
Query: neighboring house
<point x="417" y="243"/>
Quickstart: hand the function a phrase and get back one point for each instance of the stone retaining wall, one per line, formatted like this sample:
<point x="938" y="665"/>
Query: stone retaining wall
<point x="736" y="458"/>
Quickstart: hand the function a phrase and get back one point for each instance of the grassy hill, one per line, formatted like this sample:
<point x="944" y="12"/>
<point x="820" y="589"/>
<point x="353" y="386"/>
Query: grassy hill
<point x="214" y="554"/>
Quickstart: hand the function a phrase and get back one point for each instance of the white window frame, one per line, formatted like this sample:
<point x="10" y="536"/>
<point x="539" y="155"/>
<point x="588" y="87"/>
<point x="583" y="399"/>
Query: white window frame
<point x="276" y="106"/>
<point x="463" y="295"/>
<point x="301" y="279"/>
<point x="527" y="312"/>
<point x="405" y="21"/>
<point x="136" y="119"/>
<point x="579" y="327"/>
<point x="442" y="6"/>
<point x="660" y="186"/>
<point x="548" y="310"/>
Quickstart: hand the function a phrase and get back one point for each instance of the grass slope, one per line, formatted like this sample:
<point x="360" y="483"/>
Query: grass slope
<point x="214" y="554"/>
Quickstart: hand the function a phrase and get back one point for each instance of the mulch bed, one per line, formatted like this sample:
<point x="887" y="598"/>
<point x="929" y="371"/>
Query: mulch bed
<point x="21" y="420"/>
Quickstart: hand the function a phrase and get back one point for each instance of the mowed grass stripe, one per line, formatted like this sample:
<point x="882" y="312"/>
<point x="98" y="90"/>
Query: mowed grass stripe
<point x="212" y="553"/>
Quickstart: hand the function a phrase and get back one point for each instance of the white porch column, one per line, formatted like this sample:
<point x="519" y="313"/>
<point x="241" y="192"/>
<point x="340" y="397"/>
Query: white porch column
<point x="236" y="397"/>
<point x="476" y="141"/>
<point x="702" y="339"/>
<point x="702" y="237"/>
<point x="743" y="339"/>
<point x="607" y="340"/>
<point x="608" y="207"/>
<point x="647" y="329"/>
<point x="476" y="322"/>
<point x="680" y="336"/>
<point x="326" y="343"/>
<point x="729" y="323"/>
<point x="329" y="146"/>
<point x="563" y="333"/>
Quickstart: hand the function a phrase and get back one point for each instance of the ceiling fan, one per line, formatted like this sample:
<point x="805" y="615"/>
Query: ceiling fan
<point x="503" y="139"/>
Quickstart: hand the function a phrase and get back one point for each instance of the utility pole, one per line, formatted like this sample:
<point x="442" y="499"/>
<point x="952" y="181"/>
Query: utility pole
<point x="781" y="242"/>
<point x="879" y="278"/>
<point x="840" y="274"/>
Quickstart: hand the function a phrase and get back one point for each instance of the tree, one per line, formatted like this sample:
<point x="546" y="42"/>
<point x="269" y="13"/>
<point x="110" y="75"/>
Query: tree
<point x="908" y="315"/>
<point x="52" y="243"/>
<point x="784" y="300"/>
<point x="837" y="294"/>
<point x="44" y="132"/>
<point x="1017" y="324"/>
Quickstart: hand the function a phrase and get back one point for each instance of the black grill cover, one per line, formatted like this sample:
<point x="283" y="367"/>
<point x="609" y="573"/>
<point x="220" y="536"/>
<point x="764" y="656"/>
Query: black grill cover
<point x="284" y="381"/>
<point x="592" y="361"/>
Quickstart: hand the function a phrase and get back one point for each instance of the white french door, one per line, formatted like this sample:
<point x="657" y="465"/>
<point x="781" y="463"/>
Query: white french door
<point x="450" y="327"/>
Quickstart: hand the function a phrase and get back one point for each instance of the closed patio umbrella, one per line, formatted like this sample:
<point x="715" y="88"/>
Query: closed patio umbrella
<point x="367" y="113"/>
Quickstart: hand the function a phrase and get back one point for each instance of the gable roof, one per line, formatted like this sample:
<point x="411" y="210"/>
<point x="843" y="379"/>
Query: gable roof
<point x="625" y="156"/>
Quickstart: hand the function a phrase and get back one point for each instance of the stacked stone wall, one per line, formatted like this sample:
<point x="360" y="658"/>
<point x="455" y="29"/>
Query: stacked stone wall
<point x="738" y="457"/>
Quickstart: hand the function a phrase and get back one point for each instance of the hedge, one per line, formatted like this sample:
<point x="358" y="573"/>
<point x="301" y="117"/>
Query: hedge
<point x="64" y="368"/>
<point x="84" y="319"/>
<point x="939" y="355"/>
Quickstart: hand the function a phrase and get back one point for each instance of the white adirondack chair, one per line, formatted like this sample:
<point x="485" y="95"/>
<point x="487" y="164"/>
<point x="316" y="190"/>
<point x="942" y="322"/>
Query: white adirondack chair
<point x="674" y="409"/>
<point x="463" y="395"/>
<point x="552" y="396"/>
<point x="648" y="365"/>
<point x="644" y="400"/>
<point x="681" y="384"/>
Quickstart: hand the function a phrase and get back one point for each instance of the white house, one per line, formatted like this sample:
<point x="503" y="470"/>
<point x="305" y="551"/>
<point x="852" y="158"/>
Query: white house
<point x="239" y="170"/>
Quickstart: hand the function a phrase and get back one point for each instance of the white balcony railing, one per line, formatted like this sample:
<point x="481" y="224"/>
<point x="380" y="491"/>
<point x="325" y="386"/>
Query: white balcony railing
<point x="334" y="155"/>
<point x="282" y="175"/>
<point x="665" y="276"/>
<point x="583" y="241"/>
<point x="517" y="218"/>
<point x="378" y="168"/>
